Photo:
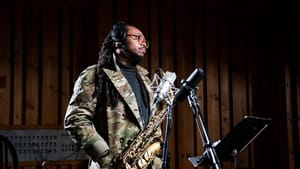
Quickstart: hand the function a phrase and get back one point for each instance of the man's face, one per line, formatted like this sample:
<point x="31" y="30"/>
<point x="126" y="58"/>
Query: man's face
<point x="135" y="46"/>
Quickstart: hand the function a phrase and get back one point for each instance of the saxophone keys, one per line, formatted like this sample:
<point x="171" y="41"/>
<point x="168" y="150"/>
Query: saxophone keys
<point x="142" y="163"/>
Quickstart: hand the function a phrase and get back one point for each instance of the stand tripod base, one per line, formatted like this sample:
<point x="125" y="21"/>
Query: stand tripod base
<point x="197" y="160"/>
<point x="203" y="159"/>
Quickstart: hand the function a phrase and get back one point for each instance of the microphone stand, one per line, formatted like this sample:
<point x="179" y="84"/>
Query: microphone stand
<point x="209" y="153"/>
<point x="165" y="143"/>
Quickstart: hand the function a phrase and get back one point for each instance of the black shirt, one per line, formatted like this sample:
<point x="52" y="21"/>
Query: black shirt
<point x="132" y="76"/>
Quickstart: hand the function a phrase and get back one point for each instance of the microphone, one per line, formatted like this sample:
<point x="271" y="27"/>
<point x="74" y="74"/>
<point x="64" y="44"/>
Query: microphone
<point x="190" y="83"/>
<point x="164" y="86"/>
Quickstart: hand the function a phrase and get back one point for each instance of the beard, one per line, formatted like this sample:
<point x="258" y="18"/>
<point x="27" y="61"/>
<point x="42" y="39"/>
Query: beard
<point x="133" y="57"/>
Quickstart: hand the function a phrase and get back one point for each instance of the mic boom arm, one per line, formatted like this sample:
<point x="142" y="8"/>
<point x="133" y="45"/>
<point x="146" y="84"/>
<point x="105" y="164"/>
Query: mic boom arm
<point x="188" y="90"/>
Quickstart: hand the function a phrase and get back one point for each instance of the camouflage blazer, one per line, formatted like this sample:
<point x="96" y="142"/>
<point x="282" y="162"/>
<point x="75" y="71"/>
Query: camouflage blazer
<point x="104" y="131"/>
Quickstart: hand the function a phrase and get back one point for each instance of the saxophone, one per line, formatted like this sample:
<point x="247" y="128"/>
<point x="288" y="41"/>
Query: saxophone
<point x="147" y="144"/>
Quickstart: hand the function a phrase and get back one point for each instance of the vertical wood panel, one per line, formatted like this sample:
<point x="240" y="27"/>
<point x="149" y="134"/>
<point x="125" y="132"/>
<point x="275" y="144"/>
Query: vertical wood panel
<point x="66" y="81"/>
<point x="222" y="28"/>
<point x="153" y="35"/>
<point x="32" y="62"/>
<point x="167" y="36"/>
<point x="297" y="126"/>
<point x="288" y="84"/>
<point x="291" y="68"/>
<point x="91" y="32"/>
<point x="279" y="92"/>
<point x="105" y="19"/>
<point x="165" y="60"/>
<point x="121" y="12"/>
<point x="256" y="68"/>
<point x="5" y="61"/>
<point x="212" y="74"/>
<point x="259" y="93"/>
<point x="294" y="114"/>
<point x="239" y="68"/>
<point x="184" y="54"/>
<point x="224" y="78"/>
<point x="78" y="55"/>
<point x="199" y="51"/>
<point x="251" y="52"/>
<point x="294" y="65"/>
<point x="50" y="63"/>
<point x="17" y="59"/>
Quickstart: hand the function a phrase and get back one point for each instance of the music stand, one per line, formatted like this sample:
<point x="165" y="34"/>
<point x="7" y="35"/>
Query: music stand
<point x="235" y="141"/>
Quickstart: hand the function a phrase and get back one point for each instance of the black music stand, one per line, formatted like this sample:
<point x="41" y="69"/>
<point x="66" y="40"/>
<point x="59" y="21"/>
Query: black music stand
<point x="235" y="141"/>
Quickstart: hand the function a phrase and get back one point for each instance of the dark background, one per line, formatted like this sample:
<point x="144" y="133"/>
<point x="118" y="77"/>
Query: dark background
<point x="247" y="48"/>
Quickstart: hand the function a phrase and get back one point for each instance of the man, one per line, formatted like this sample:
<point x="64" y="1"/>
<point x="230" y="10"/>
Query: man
<point x="110" y="103"/>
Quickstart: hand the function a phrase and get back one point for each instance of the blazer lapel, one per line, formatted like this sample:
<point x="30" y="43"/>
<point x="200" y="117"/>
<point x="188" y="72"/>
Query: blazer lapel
<point x="123" y="87"/>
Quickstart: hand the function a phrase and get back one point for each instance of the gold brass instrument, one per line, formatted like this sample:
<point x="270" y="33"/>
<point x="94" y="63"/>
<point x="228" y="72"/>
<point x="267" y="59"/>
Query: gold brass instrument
<point x="147" y="144"/>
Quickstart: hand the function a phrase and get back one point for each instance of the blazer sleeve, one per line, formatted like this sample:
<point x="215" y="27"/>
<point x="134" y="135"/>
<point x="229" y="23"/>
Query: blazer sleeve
<point x="79" y="115"/>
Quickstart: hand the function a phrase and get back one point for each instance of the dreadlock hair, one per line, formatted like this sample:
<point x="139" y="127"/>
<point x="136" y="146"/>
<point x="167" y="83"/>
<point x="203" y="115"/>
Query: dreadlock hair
<point x="106" y="60"/>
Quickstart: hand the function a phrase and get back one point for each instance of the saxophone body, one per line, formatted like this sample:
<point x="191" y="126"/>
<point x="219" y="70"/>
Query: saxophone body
<point x="147" y="144"/>
<point x="145" y="147"/>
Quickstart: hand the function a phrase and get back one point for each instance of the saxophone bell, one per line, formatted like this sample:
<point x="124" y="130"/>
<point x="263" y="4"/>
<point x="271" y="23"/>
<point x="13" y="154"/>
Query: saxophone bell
<point x="150" y="153"/>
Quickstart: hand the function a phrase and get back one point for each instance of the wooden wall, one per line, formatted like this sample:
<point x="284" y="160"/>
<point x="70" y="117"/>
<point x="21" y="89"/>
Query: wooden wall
<point x="248" y="50"/>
